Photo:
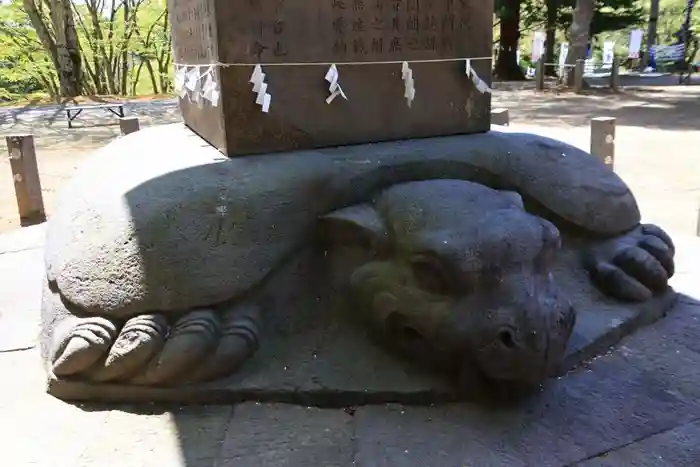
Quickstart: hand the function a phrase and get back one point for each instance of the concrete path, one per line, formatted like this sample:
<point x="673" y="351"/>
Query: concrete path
<point x="639" y="405"/>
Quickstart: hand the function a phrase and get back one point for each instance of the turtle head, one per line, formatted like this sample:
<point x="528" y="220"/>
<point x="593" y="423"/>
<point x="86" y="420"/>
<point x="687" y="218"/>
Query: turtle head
<point x="468" y="294"/>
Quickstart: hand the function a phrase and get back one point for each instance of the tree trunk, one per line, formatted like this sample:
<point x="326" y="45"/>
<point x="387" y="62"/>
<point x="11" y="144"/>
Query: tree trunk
<point x="579" y="33"/>
<point x="68" y="49"/>
<point x="42" y="30"/>
<point x="152" y="75"/>
<point x="552" y="14"/>
<point x="135" y="80"/>
<point x="507" y="67"/>
<point x="125" y="54"/>
<point x="651" y="31"/>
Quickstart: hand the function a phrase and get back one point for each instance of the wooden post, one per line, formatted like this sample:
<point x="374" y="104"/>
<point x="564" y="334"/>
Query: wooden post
<point x="500" y="117"/>
<point x="129" y="125"/>
<point x="25" y="174"/>
<point x="578" y="75"/>
<point x="615" y="74"/>
<point x="603" y="140"/>
<point x="539" y="75"/>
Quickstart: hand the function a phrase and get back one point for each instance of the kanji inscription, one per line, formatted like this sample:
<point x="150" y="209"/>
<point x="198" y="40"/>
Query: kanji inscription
<point x="194" y="36"/>
<point x="391" y="27"/>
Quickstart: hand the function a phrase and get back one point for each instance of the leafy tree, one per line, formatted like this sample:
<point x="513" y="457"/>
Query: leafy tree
<point x="54" y="25"/>
<point x="25" y="66"/>
<point x="608" y="15"/>
<point x="69" y="48"/>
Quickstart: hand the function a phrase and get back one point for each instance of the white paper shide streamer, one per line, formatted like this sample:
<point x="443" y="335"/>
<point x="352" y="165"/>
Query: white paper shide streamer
<point x="260" y="88"/>
<point x="198" y="82"/>
<point x="334" y="88"/>
<point x="409" y="84"/>
<point x="481" y="86"/>
<point x="210" y="90"/>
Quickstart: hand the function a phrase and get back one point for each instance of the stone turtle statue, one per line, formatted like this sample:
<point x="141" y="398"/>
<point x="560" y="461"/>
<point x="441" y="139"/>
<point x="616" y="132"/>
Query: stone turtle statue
<point x="159" y="249"/>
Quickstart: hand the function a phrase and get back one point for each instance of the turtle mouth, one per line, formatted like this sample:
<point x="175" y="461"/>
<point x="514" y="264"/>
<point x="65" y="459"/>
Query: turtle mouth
<point x="406" y="336"/>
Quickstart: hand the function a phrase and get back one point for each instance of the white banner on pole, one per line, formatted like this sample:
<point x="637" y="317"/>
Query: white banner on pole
<point x="563" y="52"/>
<point x="608" y="53"/>
<point x="538" y="45"/>
<point x="635" y="43"/>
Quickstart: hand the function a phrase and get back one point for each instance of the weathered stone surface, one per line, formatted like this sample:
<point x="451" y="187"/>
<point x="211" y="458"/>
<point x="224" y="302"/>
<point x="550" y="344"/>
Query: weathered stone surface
<point x="614" y="401"/>
<point x="679" y="447"/>
<point x="22" y="272"/>
<point x="194" y="234"/>
<point x="305" y="349"/>
<point x="343" y="31"/>
<point x="193" y="436"/>
<point x="163" y="235"/>
<point x="278" y="435"/>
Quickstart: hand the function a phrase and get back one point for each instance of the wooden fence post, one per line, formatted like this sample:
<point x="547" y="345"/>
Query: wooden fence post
<point x="539" y="75"/>
<point x="500" y="117"/>
<point x="129" y="125"/>
<point x="25" y="174"/>
<point x="615" y="74"/>
<point x="603" y="140"/>
<point x="578" y="75"/>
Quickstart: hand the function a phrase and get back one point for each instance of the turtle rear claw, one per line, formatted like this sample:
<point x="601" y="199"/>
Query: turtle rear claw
<point x="238" y="341"/>
<point x="82" y="346"/>
<point x="141" y="338"/>
<point x="190" y="340"/>
<point x="200" y="346"/>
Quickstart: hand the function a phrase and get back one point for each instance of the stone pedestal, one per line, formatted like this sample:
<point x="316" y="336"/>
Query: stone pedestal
<point x="247" y="32"/>
<point x="192" y="229"/>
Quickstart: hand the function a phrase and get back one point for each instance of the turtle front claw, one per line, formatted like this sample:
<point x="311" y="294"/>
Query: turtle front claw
<point x="634" y="266"/>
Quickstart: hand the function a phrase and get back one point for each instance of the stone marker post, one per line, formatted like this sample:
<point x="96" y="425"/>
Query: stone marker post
<point x="128" y="125"/>
<point x="25" y="174"/>
<point x="500" y="117"/>
<point x="603" y="140"/>
<point x="295" y="42"/>
<point x="539" y="75"/>
<point x="615" y="74"/>
<point x="578" y="75"/>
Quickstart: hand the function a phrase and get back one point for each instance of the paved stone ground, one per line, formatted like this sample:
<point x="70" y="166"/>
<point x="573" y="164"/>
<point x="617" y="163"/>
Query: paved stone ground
<point x="639" y="405"/>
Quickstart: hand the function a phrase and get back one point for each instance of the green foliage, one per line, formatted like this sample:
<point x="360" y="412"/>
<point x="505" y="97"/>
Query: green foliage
<point x="25" y="67"/>
<point x="124" y="49"/>
<point x="613" y="20"/>
<point x="609" y="15"/>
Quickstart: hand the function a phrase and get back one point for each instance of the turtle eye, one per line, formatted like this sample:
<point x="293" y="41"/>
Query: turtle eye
<point x="430" y="275"/>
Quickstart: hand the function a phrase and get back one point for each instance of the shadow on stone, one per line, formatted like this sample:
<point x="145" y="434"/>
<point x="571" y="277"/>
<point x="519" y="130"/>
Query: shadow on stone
<point x="207" y="228"/>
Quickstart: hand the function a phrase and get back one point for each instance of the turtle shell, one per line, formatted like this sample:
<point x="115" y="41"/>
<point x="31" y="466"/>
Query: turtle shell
<point x="160" y="221"/>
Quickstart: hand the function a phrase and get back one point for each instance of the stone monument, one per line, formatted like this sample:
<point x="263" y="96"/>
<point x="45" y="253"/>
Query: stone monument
<point x="421" y="270"/>
<point x="296" y="42"/>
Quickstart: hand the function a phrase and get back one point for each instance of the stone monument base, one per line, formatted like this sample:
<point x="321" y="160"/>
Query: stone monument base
<point x="312" y="351"/>
<point x="313" y="354"/>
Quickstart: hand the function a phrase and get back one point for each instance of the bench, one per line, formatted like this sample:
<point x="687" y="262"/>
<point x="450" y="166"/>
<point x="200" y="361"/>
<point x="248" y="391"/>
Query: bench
<point x="73" y="111"/>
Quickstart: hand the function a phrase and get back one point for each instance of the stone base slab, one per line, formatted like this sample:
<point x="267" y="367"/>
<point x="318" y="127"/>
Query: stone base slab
<point x="313" y="354"/>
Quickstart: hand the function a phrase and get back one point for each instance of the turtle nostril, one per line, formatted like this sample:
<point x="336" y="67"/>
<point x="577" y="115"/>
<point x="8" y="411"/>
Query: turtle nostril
<point x="506" y="338"/>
